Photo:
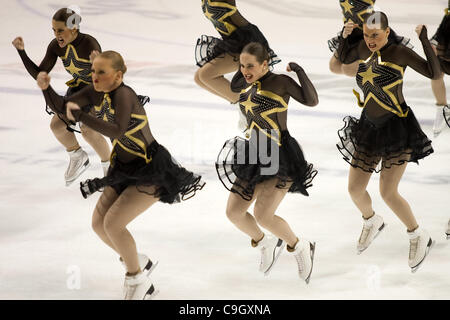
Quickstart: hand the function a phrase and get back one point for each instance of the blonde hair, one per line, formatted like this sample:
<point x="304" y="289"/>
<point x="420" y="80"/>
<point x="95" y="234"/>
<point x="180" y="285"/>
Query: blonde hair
<point x="116" y="60"/>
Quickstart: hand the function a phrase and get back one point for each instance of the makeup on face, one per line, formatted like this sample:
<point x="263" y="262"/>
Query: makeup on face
<point x="251" y="69"/>
<point x="63" y="35"/>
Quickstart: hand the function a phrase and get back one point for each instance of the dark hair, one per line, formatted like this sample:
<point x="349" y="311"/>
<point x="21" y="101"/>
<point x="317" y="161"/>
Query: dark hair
<point x="70" y="18"/>
<point x="375" y="18"/>
<point x="258" y="50"/>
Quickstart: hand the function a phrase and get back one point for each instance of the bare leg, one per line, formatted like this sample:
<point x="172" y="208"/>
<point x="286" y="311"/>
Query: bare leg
<point x="357" y="185"/>
<point x="389" y="181"/>
<point x="268" y="199"/>
<point x="335" y="65"/>
<point x="105" y="202"/>
<point x="130" y="204"/>
<point x="238" y="215"/>
<point x="350" y="69"/>
<point x="97" y="142"/>
<point x="65" y="137"/>
<point x="211" y="77"/>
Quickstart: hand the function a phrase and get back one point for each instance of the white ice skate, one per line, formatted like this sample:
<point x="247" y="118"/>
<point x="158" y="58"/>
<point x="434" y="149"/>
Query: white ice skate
<point x="439" y="121"/>
<point x="420" y="243"/>
<point x="304" y="255"/>
<point x="79" y="162"/>
<point x="139" y="287"/>
<point x="105" y="167"/>
<point x="371" y="229"/>
<point x="271" y="248"/>
<point x="448" y="230"/>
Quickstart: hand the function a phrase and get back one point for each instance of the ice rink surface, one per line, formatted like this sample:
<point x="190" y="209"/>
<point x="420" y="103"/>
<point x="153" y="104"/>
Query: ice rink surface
<point x="47" y="247"/>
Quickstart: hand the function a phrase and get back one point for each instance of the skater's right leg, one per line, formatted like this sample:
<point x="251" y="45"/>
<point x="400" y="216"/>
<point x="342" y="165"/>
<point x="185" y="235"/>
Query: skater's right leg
<point x="64" y="136"/>
<point x="439" y="91"/>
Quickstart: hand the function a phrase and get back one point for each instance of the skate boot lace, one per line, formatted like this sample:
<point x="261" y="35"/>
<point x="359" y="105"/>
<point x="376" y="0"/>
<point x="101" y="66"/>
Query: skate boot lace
<point x="263" y="251"/>
<point x="300" y="262"/>
<point x="413" y="247"/>
<point x="130" y="291"/>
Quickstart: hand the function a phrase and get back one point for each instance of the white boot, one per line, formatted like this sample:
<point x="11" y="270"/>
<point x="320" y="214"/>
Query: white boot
<point x="448" y="230"/>
<point x="79" y="162"/>
<point x="105" y="167"/>
<point x="439" y="122"/>
<point x="420" y="244"/>
<point x="371" y="229"/>
<point x="139" y="287"/>
<point x="303" y="253"/>
<point x="271" y="248"/>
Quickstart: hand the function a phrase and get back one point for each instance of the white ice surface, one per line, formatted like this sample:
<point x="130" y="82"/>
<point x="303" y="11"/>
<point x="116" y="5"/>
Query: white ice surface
<point x="46" y="238"/>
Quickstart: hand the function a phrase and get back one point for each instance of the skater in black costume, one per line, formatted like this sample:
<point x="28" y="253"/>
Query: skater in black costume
<point x="251" y="174"/>
<point x="387" y="136"/>
<point x="142" y="171"/>
<point x="75" y="49"/>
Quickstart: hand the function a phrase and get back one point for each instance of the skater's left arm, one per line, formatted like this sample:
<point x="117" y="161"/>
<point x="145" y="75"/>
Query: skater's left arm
<point x="430" y="67"/>
<point x="123" y="106"/>
<point x="305" y="93"/>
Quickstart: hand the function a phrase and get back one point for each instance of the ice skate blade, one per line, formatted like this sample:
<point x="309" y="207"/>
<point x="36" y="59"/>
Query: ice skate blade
<point x="82" y="169"/>
<point x="280" y="246"/>
<point x="313" y="249"/>
<point x="358" y="252"/>
<point x="429" y="246"/>
<point x="151" y="293"/>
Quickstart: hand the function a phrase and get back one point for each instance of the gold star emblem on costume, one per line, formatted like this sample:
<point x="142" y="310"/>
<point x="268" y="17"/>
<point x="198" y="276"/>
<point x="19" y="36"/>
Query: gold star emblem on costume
<point x="347" y="6"/>
<point x="73" y="69"/>
<point x="368" y="75"/>
<point x="248" y="104"/>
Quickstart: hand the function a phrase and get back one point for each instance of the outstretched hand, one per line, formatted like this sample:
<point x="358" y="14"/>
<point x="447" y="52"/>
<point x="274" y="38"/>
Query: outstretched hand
<point x="18" y="43"/>
<point x="43" y="80"/>
<point x="292" y="66"/>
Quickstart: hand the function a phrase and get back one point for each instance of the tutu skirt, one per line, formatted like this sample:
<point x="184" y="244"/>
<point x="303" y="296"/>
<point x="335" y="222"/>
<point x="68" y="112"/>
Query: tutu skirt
<point x="240" y="170"/>
<point x="373" y="145"/>
<point x="162" y="177"/>
<point x="209" y="48"/>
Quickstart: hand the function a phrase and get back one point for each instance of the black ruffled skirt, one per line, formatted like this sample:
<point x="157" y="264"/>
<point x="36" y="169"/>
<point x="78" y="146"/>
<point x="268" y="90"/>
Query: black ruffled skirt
<point x="240" y="168"/>
<point x="373" y="145"/>
<point x="162" y="177"/>
<point x="209" y="48"/>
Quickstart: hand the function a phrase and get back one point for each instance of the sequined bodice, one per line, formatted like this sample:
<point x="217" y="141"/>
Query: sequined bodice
<point x="78" y="68"/>
<point x="355" y="9"/>
<point x="218" y="12"/>
<point x="261" y="108"/>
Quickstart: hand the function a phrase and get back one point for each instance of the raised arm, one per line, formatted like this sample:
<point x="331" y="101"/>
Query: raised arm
<point x="347" y="53"/>
<point x="47" y="63"/>
<point x="123" y="105"/>
<point x="304" y="93"/>
<point x="430" y="67"/>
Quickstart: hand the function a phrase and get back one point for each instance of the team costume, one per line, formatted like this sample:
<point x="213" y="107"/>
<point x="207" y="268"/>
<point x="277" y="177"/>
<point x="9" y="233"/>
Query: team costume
<point x="265" y="104"/>
<point x="235" y="31"/>
<point x="387" y="133"/>
<point x="387" y="129"/>
<point x="75" y="58"/>
<point x="137" y="159"/>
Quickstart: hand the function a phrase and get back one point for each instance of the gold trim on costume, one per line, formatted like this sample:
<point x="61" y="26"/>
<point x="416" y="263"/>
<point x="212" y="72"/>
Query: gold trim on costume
<point x="224" y="10"/>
